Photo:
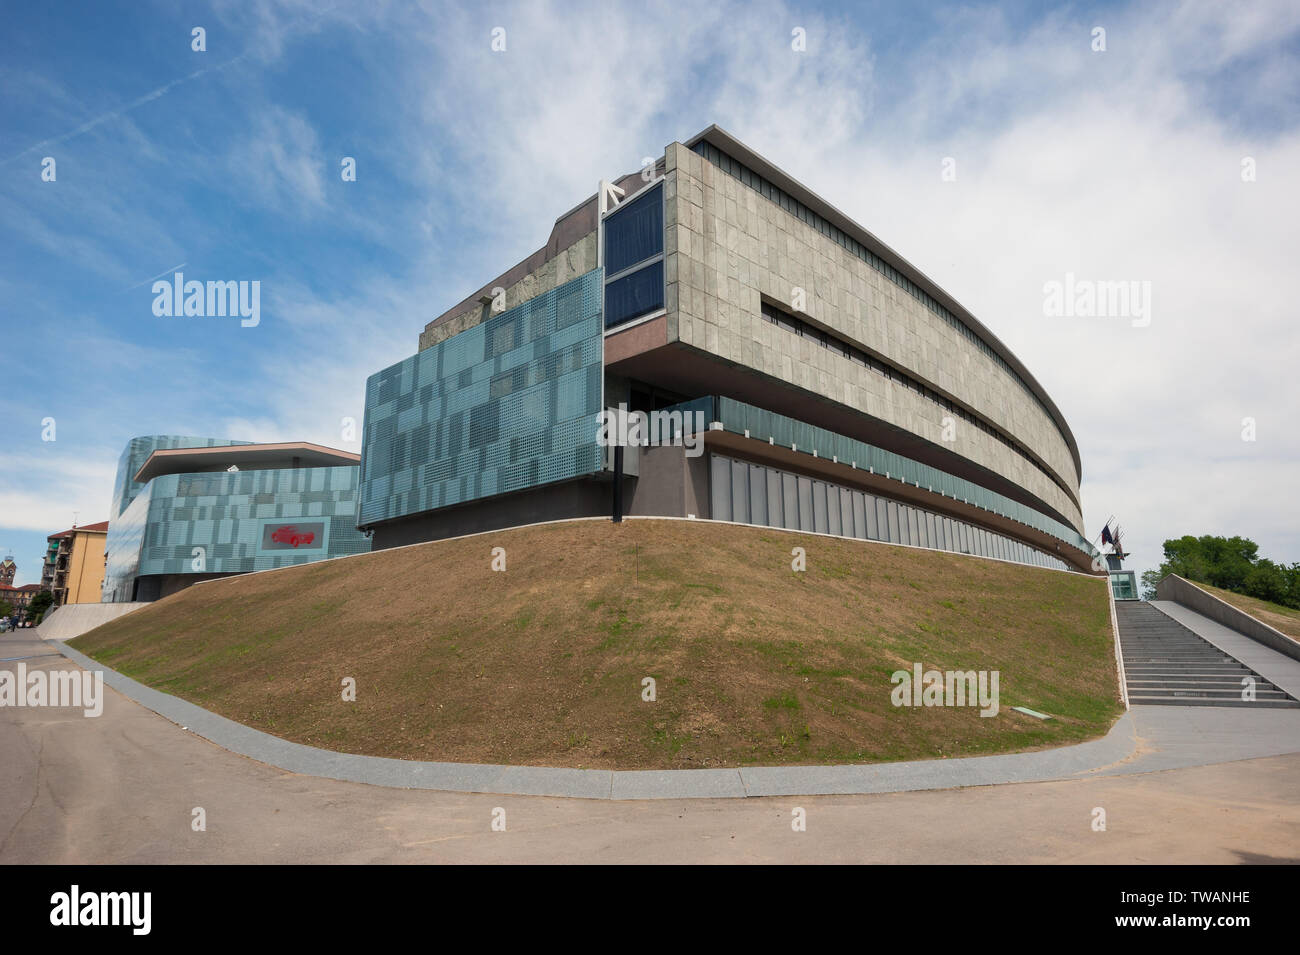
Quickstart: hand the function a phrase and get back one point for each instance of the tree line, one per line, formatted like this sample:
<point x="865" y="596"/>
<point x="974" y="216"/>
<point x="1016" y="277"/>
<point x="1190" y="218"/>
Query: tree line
<point x="1232" y="563"/>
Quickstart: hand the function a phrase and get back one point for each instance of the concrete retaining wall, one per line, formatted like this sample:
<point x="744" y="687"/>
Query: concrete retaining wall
<point x="1185" y="592"/>
<point x="72" y="620"/>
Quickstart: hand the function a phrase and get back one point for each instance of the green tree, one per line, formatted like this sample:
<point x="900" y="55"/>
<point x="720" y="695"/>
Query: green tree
<point x="1183" y="557"/>
<point x="1292" y="575"/>
<point x="1265" y="581"/>
<point x="40" y="603"/>
<point x="6" y="608"/>
<point x="1232" y="563"/>
<point x="1229" y="560"/>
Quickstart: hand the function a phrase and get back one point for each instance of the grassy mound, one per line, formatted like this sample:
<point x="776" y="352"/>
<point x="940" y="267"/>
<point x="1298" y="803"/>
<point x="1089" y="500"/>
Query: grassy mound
<point x="543" y="664"/>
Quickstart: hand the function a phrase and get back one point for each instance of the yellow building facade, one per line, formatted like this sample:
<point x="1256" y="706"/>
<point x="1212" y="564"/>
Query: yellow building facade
<point x="74" y="564"/>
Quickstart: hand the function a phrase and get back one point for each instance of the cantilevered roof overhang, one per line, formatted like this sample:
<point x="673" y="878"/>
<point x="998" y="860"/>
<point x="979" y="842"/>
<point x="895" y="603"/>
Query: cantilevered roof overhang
<point x="737" y="150"/>
<point x="245" y="457"/>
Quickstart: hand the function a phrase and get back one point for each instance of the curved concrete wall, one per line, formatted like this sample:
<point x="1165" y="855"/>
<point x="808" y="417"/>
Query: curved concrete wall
<point x="728" y="247"/>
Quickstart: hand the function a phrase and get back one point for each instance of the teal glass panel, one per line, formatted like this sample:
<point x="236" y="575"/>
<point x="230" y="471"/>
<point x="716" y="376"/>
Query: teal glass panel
<point x="509" y="404"/>
<point x="137" y="451"/>
<point x="223" y="515"/>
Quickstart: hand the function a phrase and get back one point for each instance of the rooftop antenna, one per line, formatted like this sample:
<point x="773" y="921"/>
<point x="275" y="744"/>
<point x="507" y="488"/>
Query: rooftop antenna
<point x="74" y="519"/>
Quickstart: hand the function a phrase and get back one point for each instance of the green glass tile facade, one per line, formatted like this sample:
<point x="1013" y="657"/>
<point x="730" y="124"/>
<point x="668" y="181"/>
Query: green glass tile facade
<point x="226" y="515"/>
<point x="137" y="451"/>
<point x="509" y="404"/>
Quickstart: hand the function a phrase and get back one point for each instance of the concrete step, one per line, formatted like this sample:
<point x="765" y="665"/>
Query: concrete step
<point x="1213" y="683"/>
<point x="1155" y="673"/>
<point x="1175" y="653"/>
<point x="1167" y="664"/>
<point x="1192" y="702"/>
<point x="1202" y="693"/>
<point x="1191" y="667"/>
<point x="1214" y="694"/>
<point x="1150" y="658"/>
<point x="1225" y="666"/>
<point x="1181" y="641"/>
<point x="1170" y="646"/>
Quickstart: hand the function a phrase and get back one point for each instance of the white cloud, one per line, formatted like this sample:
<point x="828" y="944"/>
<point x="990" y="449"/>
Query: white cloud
<point x="280" y="163"/>
<point x="41" y="491"/>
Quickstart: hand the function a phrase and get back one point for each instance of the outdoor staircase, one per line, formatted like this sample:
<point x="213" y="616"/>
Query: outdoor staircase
<point x="1166" y="664"/>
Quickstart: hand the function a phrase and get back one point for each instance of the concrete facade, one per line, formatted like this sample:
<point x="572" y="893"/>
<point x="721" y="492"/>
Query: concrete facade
<point x="728" y="248"/>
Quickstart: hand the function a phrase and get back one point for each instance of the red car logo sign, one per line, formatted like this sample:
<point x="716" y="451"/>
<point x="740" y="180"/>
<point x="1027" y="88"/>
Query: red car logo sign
<point x="289" y="534"/>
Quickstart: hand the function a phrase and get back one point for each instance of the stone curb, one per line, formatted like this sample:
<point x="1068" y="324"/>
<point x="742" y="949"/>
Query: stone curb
<point x="1060" y="763"/>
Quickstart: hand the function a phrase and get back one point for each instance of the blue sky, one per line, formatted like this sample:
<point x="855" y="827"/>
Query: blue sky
<point x="1122" y="164"/>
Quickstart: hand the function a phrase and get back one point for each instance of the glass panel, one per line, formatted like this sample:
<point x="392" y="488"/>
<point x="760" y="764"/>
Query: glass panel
<point x="313" y="517"/>
<point x="805" y="503"/>
<point x="740" y="492"/>
<point x="775" y="508"/>
<point x="635" y="231"/>
<point x="456" y="423"/>
<point x="720" y="481"/>
<point x="790" y="501"/>
<point x="634" y="295"/>
<point x="833" y="524"/>
<point x="758" y="495"/>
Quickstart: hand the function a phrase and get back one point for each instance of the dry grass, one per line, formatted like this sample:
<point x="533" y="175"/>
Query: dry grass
<point x="542" y="664"/>
<point x="1276" y="616"/>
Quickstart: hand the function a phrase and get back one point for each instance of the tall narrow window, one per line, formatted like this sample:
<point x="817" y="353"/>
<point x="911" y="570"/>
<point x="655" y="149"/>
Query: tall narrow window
<point x="634" y="258"/>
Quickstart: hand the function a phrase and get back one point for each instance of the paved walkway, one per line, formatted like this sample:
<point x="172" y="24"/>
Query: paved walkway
<point x="1144" y="740"/>
<point x="123" y="788"/>
<point x="1277" y="668"/>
